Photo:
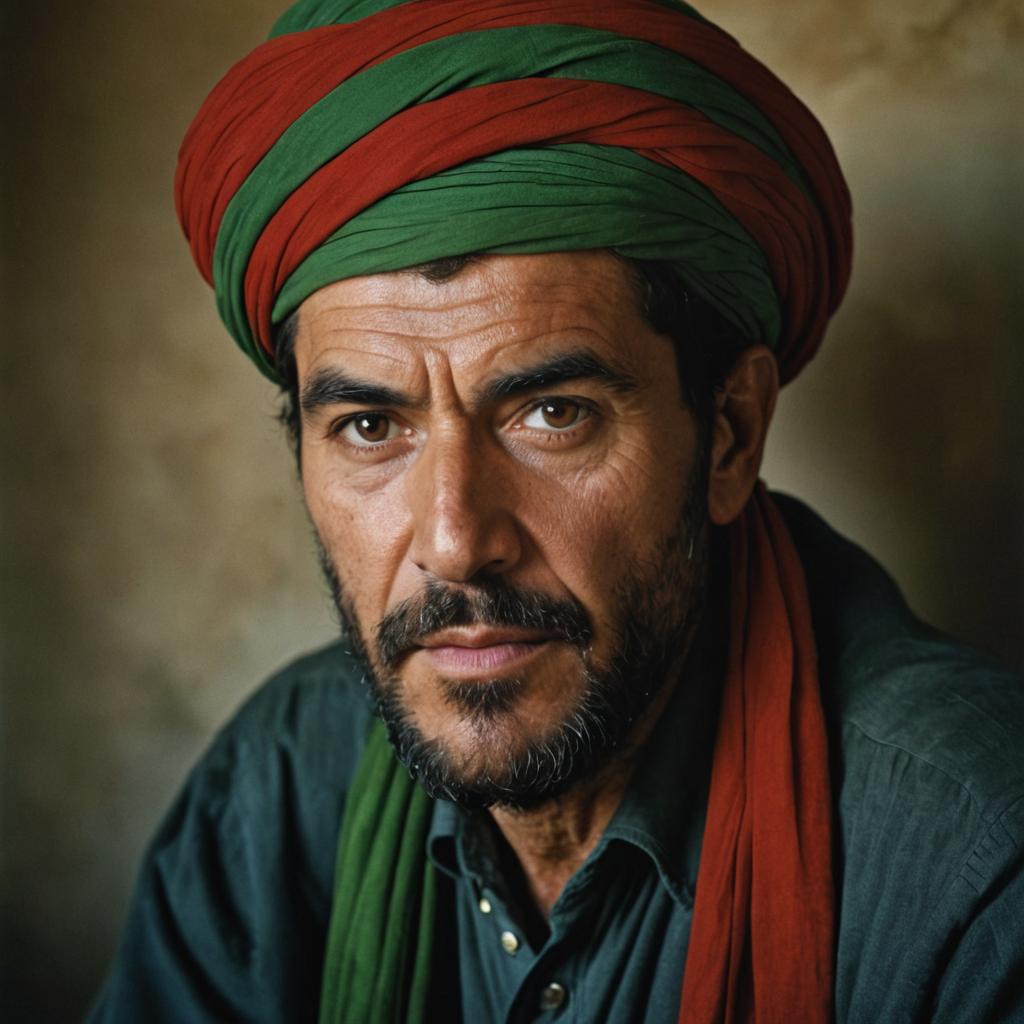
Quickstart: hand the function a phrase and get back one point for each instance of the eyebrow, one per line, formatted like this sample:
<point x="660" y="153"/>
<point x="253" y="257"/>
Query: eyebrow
<point x="580" y="364"/>
<point x="333" y="387"/>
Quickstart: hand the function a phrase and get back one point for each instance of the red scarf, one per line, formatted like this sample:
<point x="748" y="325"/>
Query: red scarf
<point x="761" y="945"/>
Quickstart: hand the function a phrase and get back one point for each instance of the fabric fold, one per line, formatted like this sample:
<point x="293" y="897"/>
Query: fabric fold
<point x="379" y="940"/>
<point x="305" y="136"/>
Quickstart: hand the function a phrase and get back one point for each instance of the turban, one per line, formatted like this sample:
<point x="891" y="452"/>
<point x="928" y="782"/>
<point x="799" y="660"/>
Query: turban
<point x="369" y="135"/>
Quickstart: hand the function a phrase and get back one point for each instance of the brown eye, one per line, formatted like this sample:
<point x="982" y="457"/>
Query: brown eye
<point x="369" y="428"/>
<point x="555" y="414"/>
<point x="559" y="414"/>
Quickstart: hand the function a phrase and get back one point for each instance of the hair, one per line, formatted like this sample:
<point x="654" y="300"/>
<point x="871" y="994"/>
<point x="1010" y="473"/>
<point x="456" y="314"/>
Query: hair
<point x="706" y="343"/>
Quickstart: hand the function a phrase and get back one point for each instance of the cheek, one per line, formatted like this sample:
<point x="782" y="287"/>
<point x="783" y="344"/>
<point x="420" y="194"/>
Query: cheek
<point x="599" y="526"/>
<point x="364" y="534"/>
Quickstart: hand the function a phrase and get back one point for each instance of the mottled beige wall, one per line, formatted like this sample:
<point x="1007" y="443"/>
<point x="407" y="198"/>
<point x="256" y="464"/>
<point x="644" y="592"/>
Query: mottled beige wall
<point x="908" y="430"/>
<point x="156" y="560"/>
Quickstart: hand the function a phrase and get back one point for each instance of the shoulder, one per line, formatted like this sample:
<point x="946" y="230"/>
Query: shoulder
<point x="276" y="775"/>
<point x="300" y="733"/>
<point x="926" y="736"/>
<point x="316" y="710"/>
<point x="892" y="684"/>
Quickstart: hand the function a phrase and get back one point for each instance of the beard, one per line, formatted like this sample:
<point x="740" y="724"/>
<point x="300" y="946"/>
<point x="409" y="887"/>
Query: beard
<point x="657" y="608"/>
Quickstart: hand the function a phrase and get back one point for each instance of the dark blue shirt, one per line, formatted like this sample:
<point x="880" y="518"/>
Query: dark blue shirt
<point x="927" y="764"/>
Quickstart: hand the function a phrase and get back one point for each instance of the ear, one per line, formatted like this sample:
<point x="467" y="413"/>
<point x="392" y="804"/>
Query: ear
<point x="742" y="411"/>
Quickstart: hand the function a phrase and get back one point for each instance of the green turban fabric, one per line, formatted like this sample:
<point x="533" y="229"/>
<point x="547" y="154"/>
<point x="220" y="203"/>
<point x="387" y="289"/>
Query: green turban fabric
<point x="371" y="135"/>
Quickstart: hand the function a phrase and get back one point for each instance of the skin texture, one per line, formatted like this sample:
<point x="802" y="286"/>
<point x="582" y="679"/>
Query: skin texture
<point x="560" y="489"/>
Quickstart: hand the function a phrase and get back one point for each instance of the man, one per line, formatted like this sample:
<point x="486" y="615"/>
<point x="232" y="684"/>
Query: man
<point x="649" y="744"/>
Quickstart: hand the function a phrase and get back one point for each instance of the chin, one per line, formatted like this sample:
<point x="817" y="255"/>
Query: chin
<point x="494" y="742"/>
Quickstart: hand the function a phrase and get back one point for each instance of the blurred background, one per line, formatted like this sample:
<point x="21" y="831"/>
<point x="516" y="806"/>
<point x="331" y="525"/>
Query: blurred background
<point x="156" y="558"/>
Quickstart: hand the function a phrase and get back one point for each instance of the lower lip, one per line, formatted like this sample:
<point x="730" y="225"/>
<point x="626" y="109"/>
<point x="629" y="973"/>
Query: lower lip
<point x="478" y="660"/>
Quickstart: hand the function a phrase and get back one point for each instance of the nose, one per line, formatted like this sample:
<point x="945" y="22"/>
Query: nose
<point x="463" y="525"/>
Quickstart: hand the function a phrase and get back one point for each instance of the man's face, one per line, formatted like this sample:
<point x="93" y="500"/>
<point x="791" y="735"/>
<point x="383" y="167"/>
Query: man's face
<point x="506" y="487"/>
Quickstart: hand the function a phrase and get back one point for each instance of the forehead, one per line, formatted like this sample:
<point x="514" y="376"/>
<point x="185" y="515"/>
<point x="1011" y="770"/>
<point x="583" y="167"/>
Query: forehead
<point x="492" y="309"/>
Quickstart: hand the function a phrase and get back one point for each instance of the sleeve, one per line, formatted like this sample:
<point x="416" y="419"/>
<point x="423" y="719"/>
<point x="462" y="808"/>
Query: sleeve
<point x="983" y="982"/>
<point x="217" y="888"/>
<point x="931" y="910"/>
<point x="229" y="916"/>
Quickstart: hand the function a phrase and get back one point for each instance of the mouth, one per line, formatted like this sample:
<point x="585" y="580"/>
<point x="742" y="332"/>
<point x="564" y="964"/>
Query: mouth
<point x="474" y="651"/>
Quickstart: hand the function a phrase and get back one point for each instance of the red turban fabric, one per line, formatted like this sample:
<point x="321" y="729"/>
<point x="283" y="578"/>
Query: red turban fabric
<point x="372" y="136"/>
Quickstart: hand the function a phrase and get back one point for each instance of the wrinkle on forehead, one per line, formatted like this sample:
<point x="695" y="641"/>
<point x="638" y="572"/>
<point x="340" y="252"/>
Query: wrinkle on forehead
<point x="402" y="323"/>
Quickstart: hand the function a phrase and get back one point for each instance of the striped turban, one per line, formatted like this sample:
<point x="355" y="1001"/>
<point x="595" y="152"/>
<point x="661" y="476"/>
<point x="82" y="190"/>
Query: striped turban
<point x="371" y="135"/>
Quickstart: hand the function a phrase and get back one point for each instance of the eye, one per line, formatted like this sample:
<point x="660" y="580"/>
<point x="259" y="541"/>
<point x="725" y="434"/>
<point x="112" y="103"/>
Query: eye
<point x="367" y="429"/>
<point x="555" y="414"/>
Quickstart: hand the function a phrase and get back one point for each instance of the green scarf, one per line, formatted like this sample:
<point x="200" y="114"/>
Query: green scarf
<point x="380" y="937"/>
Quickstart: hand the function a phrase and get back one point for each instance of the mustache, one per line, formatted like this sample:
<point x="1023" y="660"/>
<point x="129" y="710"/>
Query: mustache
<point x="494" y="603"/>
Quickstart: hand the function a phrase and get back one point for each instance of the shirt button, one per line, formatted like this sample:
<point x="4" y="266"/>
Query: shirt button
<point x="552" y="996"/>
<point x="509" y="943"/>
<point x="485" y="905"/>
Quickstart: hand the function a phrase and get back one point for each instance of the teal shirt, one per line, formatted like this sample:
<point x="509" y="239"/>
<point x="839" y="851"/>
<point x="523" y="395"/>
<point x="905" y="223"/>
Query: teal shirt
<point x="230" y="913"/>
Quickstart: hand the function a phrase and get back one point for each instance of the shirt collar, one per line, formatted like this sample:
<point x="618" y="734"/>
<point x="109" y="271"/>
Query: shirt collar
<point x="446" y="826"/>
<point x="663" y="809"/>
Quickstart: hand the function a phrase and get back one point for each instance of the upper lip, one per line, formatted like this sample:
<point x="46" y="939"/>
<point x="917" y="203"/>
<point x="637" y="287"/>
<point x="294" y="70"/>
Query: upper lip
<point x="483" y="636"/>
